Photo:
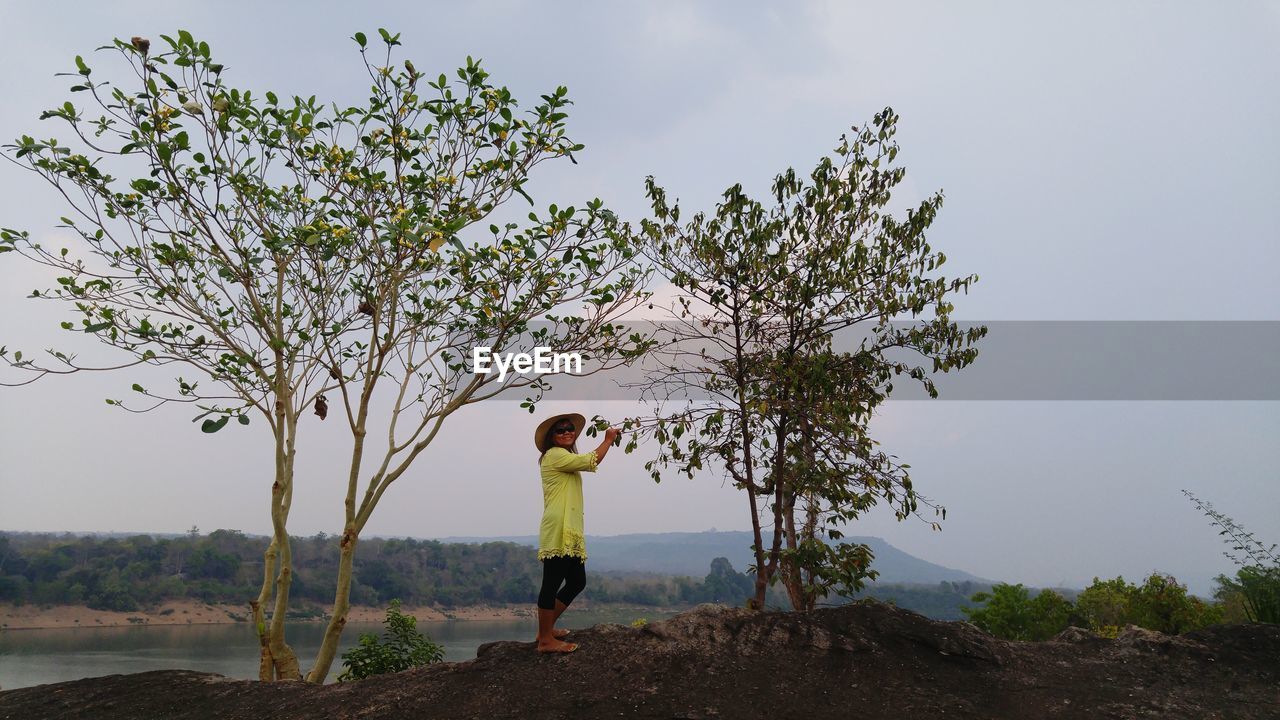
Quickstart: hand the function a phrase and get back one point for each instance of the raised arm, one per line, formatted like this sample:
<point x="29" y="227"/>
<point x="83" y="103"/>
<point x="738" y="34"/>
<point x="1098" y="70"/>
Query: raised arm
<point x="558" y="458"/>
<point x="609" y="436"/>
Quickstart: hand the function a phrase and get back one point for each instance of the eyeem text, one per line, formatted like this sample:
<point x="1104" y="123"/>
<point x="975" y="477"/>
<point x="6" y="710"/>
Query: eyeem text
<point x="541" y="361"/>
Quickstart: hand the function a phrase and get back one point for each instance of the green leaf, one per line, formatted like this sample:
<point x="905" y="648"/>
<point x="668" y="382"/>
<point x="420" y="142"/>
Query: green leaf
<point x="212" y="426"/>
<point x="138" y="388"/>
<point x="361" y="39"/>
<point x="97" y="327"/>
<point x="244" y="419"/>
<point x="523" y="194"/>
<point x="84" y="69"/>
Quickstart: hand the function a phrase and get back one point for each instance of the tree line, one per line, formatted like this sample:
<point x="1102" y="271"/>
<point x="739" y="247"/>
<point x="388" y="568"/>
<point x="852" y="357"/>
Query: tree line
<point x="133" y="573"/>
<point x="140" y="571"/>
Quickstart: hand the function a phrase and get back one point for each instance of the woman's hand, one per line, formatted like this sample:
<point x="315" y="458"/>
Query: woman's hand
<point x="610" y="437"/>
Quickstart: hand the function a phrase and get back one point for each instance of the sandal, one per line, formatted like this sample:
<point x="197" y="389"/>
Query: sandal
<point x="563" y="648"/>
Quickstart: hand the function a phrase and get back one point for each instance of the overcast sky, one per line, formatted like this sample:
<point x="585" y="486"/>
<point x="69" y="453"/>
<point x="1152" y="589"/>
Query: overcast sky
<point x="1100" y="161"/>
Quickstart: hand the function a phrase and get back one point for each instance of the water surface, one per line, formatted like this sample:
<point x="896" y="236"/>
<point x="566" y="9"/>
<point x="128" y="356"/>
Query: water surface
<point x="36" y="657"/>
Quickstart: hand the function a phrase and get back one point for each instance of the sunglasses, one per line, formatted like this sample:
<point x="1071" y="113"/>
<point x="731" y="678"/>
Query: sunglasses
<point x="564" y="429"/>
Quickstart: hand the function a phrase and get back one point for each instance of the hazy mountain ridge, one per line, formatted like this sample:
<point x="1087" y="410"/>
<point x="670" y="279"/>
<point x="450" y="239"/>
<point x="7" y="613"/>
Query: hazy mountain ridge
<point x="690" y="553"/>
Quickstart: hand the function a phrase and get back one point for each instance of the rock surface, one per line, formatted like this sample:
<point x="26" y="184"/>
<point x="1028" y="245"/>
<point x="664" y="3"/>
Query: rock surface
<point x="866" y="660"/>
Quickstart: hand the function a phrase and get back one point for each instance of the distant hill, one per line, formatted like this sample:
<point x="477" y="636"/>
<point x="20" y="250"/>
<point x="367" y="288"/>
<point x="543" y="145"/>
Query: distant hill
<point x="690" y="553"/>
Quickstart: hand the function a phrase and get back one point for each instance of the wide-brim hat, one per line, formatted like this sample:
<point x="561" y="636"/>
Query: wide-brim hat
<point x="579" y="422"/>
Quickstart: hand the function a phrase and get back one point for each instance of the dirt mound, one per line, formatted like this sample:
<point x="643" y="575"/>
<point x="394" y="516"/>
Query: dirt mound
<point x="866" y="660"/>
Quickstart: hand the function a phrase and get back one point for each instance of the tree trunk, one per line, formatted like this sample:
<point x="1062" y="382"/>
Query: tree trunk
<point x="779" y="482"/>
<point x="801" y="592"/>
<point x="276" y="653"/>
<point x="282" y="656"/>
<point x="762" y="581"/>
<point x="277" y="660"/>
<point x="346" y="556"/>
<point x="266" y="668"/>
<point x="791" y="577"/>
<point x="756" y="601"/>
<point x="807" y="534"/>
<point x="341" y="607"/>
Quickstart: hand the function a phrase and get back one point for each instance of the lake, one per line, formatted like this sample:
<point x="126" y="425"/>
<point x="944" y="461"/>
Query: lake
<point x="36" y="657"/>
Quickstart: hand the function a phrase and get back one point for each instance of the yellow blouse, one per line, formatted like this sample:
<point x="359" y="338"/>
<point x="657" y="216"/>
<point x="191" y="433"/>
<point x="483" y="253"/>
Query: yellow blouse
<point x="561" y="532"/>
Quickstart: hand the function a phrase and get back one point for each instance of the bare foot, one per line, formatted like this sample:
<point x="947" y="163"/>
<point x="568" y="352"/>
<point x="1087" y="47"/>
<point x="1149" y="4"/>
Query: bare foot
<point x="557" y="632"/>
<point x="557" y="646"/>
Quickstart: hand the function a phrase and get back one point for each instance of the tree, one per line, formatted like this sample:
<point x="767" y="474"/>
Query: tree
<point x="1256" y="585"/>
<point x="195" y="256"/>
<point x="767" y="396"/>
<point x="290" y="251"/>
<point x="1104" y="606"/>
<point x="1255" y="589"/>
<point x="446" y="162"/>
<point x="724" y="584"/>
<point x="1010" y="613"/>
<point x="1162" y="604"/>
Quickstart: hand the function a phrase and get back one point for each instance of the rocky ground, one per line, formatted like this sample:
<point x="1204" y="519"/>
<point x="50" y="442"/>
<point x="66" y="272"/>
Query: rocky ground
<point x="866" y="660"/>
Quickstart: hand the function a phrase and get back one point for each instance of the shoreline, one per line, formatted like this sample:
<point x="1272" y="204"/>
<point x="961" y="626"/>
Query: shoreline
<point x="194" y="612"/>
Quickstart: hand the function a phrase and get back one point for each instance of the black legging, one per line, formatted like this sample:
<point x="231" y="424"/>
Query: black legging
<point x="561" y="568"/>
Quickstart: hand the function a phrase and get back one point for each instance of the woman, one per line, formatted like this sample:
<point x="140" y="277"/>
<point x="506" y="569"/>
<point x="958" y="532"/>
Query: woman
<point x="562" y="544"/>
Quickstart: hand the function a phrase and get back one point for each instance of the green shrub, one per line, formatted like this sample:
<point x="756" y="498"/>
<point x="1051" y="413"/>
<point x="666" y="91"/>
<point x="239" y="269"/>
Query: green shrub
<point x="1256" y="590"/>
<point x="1161" y="603"/>
<point x="1103" y="607"/>
<point x="1010" y="613"/>
<point x="401" y="647"/>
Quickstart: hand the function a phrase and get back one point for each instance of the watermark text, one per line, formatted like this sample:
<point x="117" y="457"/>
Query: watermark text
<point x="541" y="361"/>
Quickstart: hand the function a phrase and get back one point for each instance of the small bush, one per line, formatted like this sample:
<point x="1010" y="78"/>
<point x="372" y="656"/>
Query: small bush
<point x="1010" y="613"/>
<point x="401" y="647"/>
